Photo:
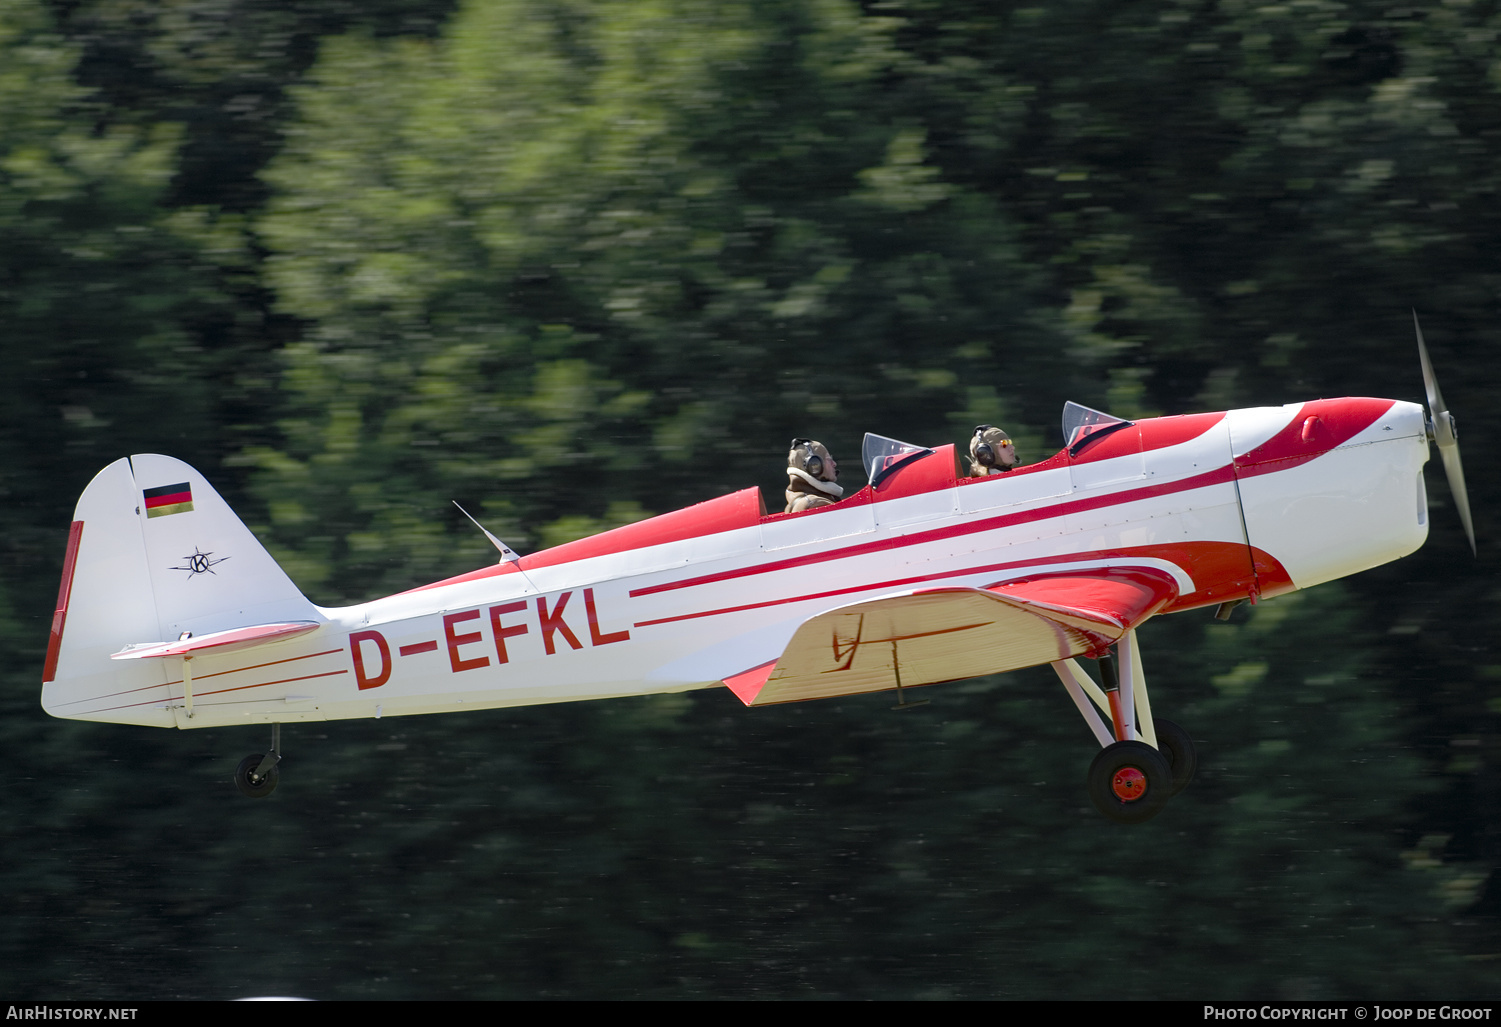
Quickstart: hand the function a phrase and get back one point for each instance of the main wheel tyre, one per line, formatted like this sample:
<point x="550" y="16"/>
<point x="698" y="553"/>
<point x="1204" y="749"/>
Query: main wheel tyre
<point x="249" y="784"/>
<point x="1130" y="782"/>
<point x="1182" y="758"/>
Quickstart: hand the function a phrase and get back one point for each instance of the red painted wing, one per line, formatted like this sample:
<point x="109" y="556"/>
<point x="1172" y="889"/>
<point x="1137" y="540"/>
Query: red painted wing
<point x="1118" y="598"/>
<point x="954" y="633"/>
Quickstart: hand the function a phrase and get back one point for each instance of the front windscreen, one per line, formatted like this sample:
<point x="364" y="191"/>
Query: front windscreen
<point x="882" y="456"/>
<point x="1080" y="422"/>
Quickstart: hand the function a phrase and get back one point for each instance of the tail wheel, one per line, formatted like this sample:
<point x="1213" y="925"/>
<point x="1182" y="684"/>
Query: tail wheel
<point x="1182" y="758"/>
<point x="1130" y="782"/>
<point x="250" y="783"/>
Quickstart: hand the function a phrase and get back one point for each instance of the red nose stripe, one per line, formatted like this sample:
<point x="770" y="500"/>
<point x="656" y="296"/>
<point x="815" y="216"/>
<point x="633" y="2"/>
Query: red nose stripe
<point x="1335" y="422"/>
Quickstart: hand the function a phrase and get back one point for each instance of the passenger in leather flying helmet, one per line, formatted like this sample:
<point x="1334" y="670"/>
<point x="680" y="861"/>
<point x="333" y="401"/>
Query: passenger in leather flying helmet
<point x="991" y="451"/>
<point x="811" y="473"/>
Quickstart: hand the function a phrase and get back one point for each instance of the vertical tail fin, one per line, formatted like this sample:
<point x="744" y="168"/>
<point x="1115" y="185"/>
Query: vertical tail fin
<point x="153" y="552"/>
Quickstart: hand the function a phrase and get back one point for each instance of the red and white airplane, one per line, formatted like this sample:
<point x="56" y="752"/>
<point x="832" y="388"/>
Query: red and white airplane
<point x="172" y="614"/>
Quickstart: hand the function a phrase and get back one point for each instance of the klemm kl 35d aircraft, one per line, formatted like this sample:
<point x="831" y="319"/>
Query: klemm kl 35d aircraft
<point x="171" y="614"/>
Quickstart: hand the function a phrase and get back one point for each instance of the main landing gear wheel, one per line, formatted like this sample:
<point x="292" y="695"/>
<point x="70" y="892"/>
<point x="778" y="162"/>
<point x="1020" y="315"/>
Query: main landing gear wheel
<point x="251" y="784"/>
<point x="1130" y="782"/>
<point x="1182" y="758"/>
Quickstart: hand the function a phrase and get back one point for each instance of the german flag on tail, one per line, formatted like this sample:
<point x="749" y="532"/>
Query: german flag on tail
<point x="168" y="499"/>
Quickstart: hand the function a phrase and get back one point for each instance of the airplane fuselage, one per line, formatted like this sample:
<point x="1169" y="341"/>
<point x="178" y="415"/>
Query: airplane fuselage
<point x="1249" y="503"/>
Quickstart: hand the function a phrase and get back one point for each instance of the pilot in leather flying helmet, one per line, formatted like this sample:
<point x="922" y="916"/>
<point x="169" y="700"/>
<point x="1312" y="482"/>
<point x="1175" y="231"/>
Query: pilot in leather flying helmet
<point x="991" y="451"/>
<point x="811" y="473"/>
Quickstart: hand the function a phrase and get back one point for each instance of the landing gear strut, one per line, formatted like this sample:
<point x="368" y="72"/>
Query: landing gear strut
<point x="1141" y="763"/>
<point x="256" y="775"/>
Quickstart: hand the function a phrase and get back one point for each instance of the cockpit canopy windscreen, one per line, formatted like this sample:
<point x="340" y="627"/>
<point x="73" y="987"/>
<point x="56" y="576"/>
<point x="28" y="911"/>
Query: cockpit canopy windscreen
<point x="1083" y="424"/>
<point x="882" y="456"/>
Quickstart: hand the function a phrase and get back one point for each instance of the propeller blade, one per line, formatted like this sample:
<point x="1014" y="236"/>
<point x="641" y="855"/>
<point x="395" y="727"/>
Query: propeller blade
<point x="1430" y="383"/>
<point x="1441" y="426"/>
<point x="1456" y="474"/>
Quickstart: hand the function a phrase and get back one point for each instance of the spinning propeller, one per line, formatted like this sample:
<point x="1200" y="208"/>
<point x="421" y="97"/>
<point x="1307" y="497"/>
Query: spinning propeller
<point x="1441" y="431"/>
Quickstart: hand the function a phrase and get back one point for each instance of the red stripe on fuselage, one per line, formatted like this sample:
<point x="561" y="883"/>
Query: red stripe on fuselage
<point x="1224" y="568"/>
<point x="201" y="677"/>
<point x="221" y="691"/>
<point x="726" y="513"/>
<point x="1218" y="476"/>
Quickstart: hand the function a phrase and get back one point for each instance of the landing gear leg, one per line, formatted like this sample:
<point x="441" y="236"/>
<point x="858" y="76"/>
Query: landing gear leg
<point x="1142" y="762"/>
<point x="256" y="776"/>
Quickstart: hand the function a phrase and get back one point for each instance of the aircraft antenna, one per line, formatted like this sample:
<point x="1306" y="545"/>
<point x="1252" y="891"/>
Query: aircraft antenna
<point x="507" y="554"/>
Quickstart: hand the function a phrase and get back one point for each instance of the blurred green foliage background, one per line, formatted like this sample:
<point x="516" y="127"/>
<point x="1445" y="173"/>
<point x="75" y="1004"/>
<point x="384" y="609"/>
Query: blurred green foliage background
<point x="575" y="263"/>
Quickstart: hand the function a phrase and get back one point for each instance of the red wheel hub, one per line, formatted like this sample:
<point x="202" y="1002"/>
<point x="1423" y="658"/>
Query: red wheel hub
<point x="1128" y="784"/>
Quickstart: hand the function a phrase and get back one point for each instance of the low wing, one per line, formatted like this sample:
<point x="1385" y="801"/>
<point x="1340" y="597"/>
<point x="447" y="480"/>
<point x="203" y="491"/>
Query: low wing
<point x="952" y="633"/>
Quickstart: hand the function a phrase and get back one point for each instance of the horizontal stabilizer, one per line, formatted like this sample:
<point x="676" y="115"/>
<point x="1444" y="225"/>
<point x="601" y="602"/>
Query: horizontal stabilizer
<point x="218" y="641"/>
<point x="922" y="638"/>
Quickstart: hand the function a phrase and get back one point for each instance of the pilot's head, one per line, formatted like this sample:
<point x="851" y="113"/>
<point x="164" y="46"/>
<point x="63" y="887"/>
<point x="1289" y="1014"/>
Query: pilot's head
<point x="990" y="451"/>
<point x="812" y="459"/>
